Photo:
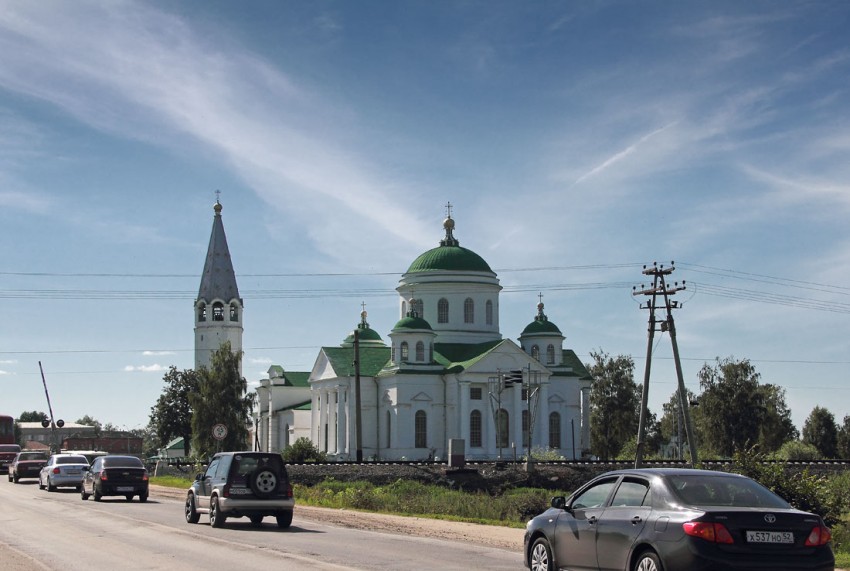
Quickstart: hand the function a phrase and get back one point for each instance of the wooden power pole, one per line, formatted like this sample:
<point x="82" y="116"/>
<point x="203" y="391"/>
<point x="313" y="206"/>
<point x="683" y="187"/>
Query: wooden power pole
<point x="659" y="288"/>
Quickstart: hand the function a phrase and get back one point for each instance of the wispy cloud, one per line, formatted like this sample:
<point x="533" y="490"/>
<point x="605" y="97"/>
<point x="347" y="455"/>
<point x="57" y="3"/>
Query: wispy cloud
<point x="157" y="353"/>
<point x="145" y="368"/>
<point x="620" y="155"/>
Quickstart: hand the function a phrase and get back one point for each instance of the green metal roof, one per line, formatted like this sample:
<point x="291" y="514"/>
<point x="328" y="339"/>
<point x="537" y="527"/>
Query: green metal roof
<point x="452" y="258"/>
<point x="366" y="334"/>
<point x="456" y="357"/>
<point x="570" y="359"/>
<point x="297" y="379"/>
<point x="372" y="360"/>
<point x="539" y="326"/>
<point x="411" y="322"/>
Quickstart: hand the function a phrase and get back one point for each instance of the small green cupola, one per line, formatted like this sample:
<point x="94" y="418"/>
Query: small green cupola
<point x="368" y="337"/>
<point x="542" y="339"/>
<point x="412" y="340"/>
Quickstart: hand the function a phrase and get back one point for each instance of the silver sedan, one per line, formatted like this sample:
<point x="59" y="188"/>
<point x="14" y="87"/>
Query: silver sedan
<point x="63" y="470"/>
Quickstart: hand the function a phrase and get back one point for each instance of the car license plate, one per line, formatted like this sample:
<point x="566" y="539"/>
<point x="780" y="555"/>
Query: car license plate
<point x="240" y="492"/>
<point x="125" y="488"/>
<point x="74" y="472"/>
<point x="770" y="537"/>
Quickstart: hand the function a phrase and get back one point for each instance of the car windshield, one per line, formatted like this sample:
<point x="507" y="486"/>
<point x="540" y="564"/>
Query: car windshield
<point x="711" y="490"/>
<point x="32" y="456"/>
<point x="72" y="460"/>
<point x="9" y="448"/>
<point x="122" y="462"/>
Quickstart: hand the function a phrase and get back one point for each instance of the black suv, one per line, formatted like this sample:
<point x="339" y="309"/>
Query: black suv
<point x="237" y="484"/>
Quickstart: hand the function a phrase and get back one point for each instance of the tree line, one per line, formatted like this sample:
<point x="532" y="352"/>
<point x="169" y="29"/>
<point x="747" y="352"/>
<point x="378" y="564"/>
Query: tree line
<point x="733" y="411"/>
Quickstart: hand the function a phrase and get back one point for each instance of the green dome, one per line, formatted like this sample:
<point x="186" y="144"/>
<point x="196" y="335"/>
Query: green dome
<point x="538" y="327"/>
<point x="412" y="322"/>
<point x="366" y="334"/>
<point x="541" y="325"/>
<point x="453" y="258"/>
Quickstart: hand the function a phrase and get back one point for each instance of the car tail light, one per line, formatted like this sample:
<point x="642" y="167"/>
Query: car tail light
<point x="820" y="535"/>
<point x="103" y="476"/>
<point x="288" y="491"/>
<point x="145" y="476"/>
<point x="226" y="491"/>
<point x="713" y="532"/>
<point x="56" y="470"/>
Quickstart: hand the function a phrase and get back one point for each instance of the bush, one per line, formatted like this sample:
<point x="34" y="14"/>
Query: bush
<point x="803" y="490"/>
<point x="303" y="450"/>
<point x="797" y="451"/>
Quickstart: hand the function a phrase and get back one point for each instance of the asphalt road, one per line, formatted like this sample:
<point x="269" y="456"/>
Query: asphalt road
<point x="57" y="531"/>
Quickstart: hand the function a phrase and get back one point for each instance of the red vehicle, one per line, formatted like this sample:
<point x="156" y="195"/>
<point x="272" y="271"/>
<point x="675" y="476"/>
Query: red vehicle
<point x="8" y="448"/>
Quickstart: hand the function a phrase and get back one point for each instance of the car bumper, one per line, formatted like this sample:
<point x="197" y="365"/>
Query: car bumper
<point x="706" y="557"/>
<point x="61" y="481"/>
<point x="28" y="472"/>
<point x="123" y="489"/>
<point x="238" y="506"/>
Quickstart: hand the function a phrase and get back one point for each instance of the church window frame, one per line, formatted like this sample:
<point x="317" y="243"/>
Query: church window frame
<point x="405" y="352"/>
<point x="554" y="430"/>
<point x="468" y="310"/>
<point x="420" y="429"/>
<point x="488" y="312"/>
<point x="550" y="354"/>
<point x="476" y="439"/>
<point x="218" y="311"/>
<point x="476" y="393"/>
<point x="535" y="352"/>
<point x="420" y="351"/>
<point x="202" y="311"/>
<point x="418" y="307"/>
<point x="443" y="310"/>
<point x="234" y="312"/>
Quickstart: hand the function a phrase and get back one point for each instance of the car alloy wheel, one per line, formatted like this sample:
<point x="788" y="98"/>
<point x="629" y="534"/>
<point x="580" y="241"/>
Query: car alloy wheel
<point x="540" y="558"/>
<point x="192" y="515"/>
<point x="648" y="562"/>
<point x="216" y="517"/>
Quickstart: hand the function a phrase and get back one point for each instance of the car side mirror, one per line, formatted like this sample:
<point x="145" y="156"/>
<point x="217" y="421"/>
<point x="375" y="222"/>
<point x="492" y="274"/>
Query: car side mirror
<point x="199" y="476"/>
<point x="559" y="502"/>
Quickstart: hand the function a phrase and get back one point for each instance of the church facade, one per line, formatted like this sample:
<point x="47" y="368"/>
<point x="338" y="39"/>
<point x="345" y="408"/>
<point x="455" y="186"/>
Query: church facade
<point x="445" y="374"/>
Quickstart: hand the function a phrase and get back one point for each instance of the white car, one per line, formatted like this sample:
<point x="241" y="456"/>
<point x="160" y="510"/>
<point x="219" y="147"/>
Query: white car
<point x="63" y="470"/>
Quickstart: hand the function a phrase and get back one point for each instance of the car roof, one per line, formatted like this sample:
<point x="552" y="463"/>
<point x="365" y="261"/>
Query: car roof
<point x="672" y="472"/>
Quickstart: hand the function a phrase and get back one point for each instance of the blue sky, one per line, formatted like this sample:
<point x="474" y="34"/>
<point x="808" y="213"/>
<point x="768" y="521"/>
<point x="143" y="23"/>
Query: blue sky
<point x="576" y="141"/>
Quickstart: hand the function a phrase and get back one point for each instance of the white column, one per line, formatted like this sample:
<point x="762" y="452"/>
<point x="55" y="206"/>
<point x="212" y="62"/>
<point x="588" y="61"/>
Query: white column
<point x="585" y="419"/>
<point x="341" y="421"/>
<point x="543" y="415"/>
<point x="518" y="407"/>
<point x="463" y="406"/>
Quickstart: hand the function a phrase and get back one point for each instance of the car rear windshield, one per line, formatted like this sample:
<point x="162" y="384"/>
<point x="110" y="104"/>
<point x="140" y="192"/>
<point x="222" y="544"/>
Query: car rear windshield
<point x="72" y="460"/>
<point x="122" y="462"/>
<point x="32" y="456"/>
<point x="710" y="490"/>
<point x="9" y="448"/>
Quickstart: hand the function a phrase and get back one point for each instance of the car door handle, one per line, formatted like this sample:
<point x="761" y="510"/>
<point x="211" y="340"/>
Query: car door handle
<point x="637" y="519"/>
<point x="591" y="520"/>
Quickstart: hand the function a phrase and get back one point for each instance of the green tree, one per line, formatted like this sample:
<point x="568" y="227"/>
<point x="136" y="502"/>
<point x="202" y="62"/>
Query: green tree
<point x="820" y="431"/>
<point x="303" y="450"/>
<point x="222" y="398"/>
<point x="33" y="416"/>
<point x="171" y="416"/>
<point x="672" y="423"/>
<point x="777" y="428"/>
<point x="736" y="412"/>
<point x="843" y="442"/>
<point x="614" y="404"/>
<point x="89" y="421"/>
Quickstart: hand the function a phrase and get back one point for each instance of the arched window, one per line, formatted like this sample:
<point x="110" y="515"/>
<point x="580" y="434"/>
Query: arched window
<point x="392" y="354"/>
<point x="218" y="311"/>
<point x="535" y="351"/>
<point x="202" y="312"/>
<point x="488" y="311"/>
<point x="234" y="312"/>
<point x="554" y="430"/>
<point x="417" y="305"/>
<point x="403" y="308"/>
<point x="404" y="352"/>
<point x="443" y="310"/>
<point x="468" y="310"/>
<point x="420" y="429"/>
<point x="550" y="355"/>
<point x="502" y="429"/>
<point x="389" y="432"/>
<point x="420" y="351"/>
<point x="475" y="439"/>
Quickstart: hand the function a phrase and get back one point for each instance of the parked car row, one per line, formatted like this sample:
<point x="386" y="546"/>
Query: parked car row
<point x="109" y="475"/>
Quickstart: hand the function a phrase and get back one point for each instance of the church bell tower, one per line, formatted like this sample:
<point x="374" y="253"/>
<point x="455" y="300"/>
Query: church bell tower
<point x="218" y="307"/>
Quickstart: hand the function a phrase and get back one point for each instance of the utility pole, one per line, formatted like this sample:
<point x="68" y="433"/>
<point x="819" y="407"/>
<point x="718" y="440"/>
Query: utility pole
<point x="660" y="288"/>
<point x="357" y="404"/>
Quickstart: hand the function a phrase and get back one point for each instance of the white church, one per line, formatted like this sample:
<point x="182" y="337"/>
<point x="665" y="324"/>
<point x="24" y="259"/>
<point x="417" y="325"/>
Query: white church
<point x="445" y="375"/>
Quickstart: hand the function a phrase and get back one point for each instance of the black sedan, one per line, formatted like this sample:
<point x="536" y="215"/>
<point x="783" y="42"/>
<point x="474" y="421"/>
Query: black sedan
<point x="116" y="476"/>
<point x="676" y="520"/>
